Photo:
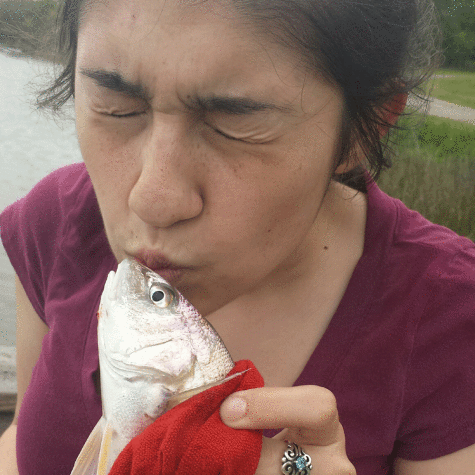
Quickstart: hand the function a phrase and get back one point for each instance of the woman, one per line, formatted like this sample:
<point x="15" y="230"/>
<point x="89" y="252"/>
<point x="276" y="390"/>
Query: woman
<point x="226" y="145"/>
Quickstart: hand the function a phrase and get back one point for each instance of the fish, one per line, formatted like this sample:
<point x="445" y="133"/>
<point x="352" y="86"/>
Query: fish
<point x="155" y="351"/>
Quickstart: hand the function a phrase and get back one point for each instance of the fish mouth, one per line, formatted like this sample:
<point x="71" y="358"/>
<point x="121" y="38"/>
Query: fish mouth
<point x="149" y="346"/>
<point x="120" y="361"/>
<point x="119" y="366"/>
<point x="111" y="287"/>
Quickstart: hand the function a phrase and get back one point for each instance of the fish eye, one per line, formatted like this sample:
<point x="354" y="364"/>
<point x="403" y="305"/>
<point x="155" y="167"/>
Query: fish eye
<point x="161" y="296"/>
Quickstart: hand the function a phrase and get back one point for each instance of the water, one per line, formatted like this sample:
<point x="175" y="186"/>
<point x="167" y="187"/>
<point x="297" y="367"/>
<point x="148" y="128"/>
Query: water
<point x="31" y="146"/>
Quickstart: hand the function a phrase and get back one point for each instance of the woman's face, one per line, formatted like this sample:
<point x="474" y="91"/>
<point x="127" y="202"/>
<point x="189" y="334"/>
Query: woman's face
<point x="209" y="149"/>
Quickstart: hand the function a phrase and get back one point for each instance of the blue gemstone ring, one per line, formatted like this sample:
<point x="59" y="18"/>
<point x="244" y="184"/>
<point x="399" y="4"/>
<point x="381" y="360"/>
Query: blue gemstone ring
<point x="295" y="461"/>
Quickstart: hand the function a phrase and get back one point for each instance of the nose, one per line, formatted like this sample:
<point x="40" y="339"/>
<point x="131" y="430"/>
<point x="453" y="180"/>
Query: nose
<point x="167" y="190"/>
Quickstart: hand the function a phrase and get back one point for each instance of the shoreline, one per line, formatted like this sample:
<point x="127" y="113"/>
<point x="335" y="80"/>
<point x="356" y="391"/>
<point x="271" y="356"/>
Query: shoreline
<point x="39" y="55"/>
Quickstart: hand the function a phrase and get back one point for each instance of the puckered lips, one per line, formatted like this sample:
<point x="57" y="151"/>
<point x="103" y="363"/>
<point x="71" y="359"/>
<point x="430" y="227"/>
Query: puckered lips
<point x="160" y="264"/>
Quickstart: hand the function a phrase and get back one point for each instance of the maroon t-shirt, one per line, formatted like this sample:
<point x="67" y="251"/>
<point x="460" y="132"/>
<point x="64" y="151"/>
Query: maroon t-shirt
<point x="399" y="353"/>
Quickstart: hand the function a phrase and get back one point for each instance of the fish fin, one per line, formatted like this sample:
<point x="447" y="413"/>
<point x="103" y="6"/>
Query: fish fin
<point x="86" y="462"/>
<point x="180" y="397"/>
<point x="232" y="377"/>
<point x="104" y="464"/>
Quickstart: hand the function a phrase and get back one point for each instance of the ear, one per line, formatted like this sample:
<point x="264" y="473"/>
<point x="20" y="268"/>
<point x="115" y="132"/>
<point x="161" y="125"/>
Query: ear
<point x="389" y="113"/>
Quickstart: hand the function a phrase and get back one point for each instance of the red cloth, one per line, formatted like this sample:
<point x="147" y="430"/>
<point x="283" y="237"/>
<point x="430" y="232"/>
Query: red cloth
<point x="192" y="439"/>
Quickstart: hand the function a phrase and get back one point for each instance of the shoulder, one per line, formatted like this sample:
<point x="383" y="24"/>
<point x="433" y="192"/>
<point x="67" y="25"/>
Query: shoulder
<point x="414" y="231"/>
<point x="425" y="272"/>
<point x="38" y="219"/>
<point x="410" y="245"/>
<point x="437" y="269"/>
<point x="48" y="198"/>
<point x="444" y="259"/>
<point x="60" y="189"/>
<point x="34" y="228"/>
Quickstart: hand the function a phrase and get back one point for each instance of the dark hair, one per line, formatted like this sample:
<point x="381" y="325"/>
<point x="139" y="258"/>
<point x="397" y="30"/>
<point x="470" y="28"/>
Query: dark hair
<point x="372" y="50"/>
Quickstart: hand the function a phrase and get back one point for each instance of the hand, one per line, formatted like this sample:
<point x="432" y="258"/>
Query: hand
<point x="310" y="416"/>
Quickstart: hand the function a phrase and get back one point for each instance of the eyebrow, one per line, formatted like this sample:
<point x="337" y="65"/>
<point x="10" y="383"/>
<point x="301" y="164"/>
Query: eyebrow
<point x="237" y="105"/>
<point x="114" y="81"/>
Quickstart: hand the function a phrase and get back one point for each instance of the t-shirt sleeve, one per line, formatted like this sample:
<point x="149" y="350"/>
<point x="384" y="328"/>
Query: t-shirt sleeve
<point x="31" y="231"/>
<point x="438" y="416"/>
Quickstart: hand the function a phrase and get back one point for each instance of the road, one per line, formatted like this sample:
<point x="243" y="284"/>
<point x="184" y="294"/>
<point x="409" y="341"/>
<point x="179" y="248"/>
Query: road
<point x="447" y="110"/>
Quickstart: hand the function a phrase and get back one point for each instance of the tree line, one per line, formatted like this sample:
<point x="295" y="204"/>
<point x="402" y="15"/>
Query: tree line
<point x="30" y="26"/>
<point x="457" y="18"/>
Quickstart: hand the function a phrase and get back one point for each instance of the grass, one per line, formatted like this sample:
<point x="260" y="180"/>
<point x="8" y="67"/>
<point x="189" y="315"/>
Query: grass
<point x="451" y="72"/>
<point x="436" y="181"/>
<point x="442" y="138"/>
<point x="433" y="170"/>
<point x="458" y="89"/>
<point x="442" y="192"/>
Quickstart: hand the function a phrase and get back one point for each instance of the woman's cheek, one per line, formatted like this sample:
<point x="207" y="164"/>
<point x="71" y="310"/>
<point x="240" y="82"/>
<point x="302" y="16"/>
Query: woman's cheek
<point x="114" y="149"/>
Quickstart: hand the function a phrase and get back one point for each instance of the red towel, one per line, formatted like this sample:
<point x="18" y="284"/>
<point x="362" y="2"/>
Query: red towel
<point x="191" y="439"/>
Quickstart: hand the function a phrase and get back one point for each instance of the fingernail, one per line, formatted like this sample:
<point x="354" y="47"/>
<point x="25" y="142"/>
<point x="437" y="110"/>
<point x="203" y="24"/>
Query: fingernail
<point x="234" y="408"/>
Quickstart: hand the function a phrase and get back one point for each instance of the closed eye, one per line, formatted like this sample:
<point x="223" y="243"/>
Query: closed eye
<point x="248" y="140"/>
<point x="125" y="116"/>
<point x="227" y="136"/>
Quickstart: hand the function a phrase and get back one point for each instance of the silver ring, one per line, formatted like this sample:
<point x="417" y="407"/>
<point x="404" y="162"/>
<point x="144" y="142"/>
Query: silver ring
<point x="295" y="461"/>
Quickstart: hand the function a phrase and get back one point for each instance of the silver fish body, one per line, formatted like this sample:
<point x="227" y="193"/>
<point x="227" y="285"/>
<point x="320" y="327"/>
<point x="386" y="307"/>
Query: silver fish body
<point x="154" y="349"/>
